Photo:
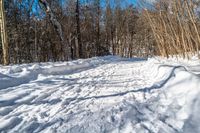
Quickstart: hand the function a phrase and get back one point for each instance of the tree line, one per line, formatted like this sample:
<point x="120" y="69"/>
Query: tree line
<point x="60" y="30"/>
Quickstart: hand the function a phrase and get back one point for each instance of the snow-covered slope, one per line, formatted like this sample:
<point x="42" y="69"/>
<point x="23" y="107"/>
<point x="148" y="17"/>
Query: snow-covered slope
<point x="97" y="95"/>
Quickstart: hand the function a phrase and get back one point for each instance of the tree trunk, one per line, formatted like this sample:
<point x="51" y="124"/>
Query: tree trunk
<point x="4" y="39"/>
<point x="78" y="33"/>
<point x="56" y="25"/>
<point x="98" y="27"/>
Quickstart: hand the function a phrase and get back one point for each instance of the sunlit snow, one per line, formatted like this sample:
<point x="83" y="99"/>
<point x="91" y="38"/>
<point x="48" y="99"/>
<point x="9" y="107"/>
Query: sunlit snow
<point x="100" y="95"/>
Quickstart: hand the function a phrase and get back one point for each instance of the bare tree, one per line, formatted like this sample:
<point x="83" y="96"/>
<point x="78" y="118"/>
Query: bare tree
<point x="79" y="49"/>
<point x="4" y="39"/>
<point x="75" y="30"/>
<point x="175" y="26"/>
<point x="56" y="25"/>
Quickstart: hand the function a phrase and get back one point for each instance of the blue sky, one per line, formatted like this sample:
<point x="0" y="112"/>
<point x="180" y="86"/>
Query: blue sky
<point x="35" y="5"/>
<point x="132" y="1"/>
<point x="123" y="2"/>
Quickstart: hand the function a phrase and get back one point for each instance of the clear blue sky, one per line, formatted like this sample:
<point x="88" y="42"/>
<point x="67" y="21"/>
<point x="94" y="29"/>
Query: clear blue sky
<point x="132" y="1"/>
<point x="35" y="7"/>
<point x="123" y="2"/>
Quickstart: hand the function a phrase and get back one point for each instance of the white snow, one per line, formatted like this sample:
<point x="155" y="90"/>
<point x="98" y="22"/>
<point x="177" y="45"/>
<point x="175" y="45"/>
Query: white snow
<point x="102" y="94"/>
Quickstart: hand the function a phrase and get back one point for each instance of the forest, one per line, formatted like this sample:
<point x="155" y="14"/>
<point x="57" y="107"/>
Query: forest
<point x="61" y="30"/>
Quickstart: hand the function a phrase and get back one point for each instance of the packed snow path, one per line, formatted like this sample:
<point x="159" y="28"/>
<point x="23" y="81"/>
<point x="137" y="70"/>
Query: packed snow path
<point x="99" y="95"/>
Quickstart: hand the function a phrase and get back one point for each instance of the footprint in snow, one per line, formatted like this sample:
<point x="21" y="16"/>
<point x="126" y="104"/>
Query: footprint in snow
<point x="78" y="90"/>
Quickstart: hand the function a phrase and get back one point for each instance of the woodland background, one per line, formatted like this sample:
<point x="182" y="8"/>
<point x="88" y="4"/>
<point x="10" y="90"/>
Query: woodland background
<point x="101" y="27"/>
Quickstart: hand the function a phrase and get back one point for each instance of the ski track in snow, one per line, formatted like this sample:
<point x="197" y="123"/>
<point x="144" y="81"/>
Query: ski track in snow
<point x="99" y="95"/>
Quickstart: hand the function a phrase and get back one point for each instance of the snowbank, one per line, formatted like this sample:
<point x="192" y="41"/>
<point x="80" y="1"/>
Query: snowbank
<point x="11" y="76"/>
<point x="178" y="102"/>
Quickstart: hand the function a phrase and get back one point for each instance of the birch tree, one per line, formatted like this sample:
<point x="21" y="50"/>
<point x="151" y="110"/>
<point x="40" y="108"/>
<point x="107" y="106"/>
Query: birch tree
<point x="56" y="25"/>
<point x="4" y="39"/>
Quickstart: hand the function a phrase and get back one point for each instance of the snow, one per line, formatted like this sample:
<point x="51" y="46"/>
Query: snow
<point x="101" y="94"/>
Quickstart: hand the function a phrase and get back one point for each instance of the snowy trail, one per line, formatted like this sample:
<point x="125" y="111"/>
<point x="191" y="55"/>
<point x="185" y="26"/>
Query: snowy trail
<point x="108" y="94"/>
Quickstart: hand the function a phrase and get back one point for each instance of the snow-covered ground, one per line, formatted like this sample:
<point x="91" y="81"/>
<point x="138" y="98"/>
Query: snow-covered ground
<point x="100" y="95"/>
